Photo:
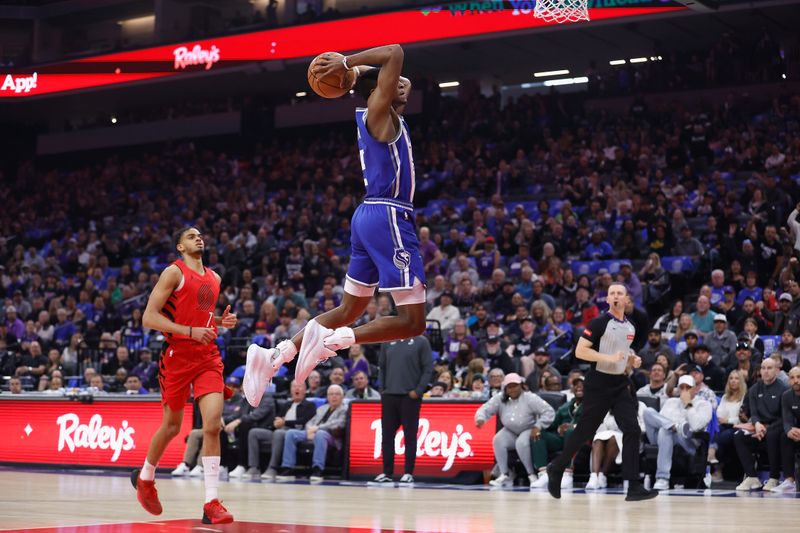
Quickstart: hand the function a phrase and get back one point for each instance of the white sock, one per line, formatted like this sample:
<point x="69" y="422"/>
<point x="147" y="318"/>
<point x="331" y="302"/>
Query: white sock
<point x="287" y="349"/>
<point x="211" y="476"/>
<point x="148" y="472"/>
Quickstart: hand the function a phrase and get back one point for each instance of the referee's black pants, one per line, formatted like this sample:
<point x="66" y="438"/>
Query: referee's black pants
<point x="604" y="393"/>
<point x="397" y="410"/>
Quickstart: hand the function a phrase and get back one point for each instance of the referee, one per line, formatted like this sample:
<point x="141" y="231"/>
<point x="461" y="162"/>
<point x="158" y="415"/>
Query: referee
<point x="606" y="345"/>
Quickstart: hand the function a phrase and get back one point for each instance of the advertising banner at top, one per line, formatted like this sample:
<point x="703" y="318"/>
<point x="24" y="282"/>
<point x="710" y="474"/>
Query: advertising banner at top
<point x="446" y="21"/>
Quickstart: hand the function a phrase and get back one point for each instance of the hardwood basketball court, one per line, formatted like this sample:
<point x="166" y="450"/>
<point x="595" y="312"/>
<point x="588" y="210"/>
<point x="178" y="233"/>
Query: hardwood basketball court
<point x="100" y="502"/>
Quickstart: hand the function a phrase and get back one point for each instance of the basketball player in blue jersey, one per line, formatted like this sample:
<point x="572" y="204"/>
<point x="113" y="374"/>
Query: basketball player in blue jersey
<point x="385" y="251"/>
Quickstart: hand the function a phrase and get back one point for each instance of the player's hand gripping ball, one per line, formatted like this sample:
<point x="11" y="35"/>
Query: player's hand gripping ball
<point x="328" y="76"/>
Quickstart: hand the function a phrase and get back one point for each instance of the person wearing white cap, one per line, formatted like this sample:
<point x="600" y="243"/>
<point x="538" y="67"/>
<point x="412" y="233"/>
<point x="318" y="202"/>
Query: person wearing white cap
<point x="524" y="416"/>
<point x="721" y="342"/>
<point x="678" y="419"/>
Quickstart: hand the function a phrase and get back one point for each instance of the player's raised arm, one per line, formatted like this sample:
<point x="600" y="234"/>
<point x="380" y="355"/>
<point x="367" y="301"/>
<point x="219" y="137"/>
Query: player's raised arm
<point x="387" y="88"/>
<point x="390" y="60"/>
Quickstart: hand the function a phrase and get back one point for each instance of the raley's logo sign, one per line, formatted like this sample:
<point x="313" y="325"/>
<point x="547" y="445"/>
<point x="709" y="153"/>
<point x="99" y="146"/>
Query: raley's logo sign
<point x="448" y="442"/>
<point x="196" y="55"/>
<point x="429" y="443"/>
<point x="104" y="433"/>
<point x="19" y="84"/>
<point x="94" y="435"/>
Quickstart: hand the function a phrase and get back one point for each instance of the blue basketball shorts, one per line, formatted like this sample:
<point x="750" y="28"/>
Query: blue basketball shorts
<point x="385" y="249"/>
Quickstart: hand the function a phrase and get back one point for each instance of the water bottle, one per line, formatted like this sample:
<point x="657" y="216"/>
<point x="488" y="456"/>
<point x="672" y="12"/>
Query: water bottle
<point x="647" y="483"/>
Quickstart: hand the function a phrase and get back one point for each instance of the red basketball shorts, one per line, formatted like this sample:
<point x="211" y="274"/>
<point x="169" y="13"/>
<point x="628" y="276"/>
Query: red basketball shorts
<point x="182" y="369"/>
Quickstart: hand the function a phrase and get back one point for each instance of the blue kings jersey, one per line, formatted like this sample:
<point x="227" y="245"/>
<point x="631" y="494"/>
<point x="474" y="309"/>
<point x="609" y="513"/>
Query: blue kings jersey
<point x="383" y="240"/>
<point x="388" y="167"/>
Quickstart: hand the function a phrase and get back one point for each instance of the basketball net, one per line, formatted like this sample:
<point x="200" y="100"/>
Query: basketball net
<point x="562" y="10"/>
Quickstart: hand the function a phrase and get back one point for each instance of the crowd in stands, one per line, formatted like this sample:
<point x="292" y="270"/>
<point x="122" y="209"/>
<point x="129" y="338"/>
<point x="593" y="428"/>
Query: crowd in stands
<point x="528" y="212"/>
<point x="733" y="58"/>
<point x="138" y="115"/>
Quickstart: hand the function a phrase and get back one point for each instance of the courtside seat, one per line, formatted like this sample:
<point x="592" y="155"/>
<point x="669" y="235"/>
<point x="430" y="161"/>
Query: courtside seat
<point x="687" y="468"/>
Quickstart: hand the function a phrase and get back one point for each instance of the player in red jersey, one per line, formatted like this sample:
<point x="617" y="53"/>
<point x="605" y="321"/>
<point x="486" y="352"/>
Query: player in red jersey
<point x="182" y="307"/>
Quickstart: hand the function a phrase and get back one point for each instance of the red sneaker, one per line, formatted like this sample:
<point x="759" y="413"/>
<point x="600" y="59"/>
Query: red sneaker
<point x="215" y="513"/>
<point x="146" y="493"/>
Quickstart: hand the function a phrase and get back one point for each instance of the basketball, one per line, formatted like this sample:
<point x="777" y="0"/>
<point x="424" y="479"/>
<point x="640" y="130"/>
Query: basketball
<point x="328" y="86"/>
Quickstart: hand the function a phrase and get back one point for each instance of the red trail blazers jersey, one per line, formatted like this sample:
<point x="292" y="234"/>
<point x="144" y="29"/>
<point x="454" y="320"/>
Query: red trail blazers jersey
<point x="192" y="304"/>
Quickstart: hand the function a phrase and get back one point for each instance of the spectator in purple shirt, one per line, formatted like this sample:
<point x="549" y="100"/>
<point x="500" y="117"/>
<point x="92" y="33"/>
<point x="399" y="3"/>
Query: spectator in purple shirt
<point x="598" y="248"/>
<point x="146" y="369"/>
<point x="631" y="281"/>
<point x="65" y="329"/>
<point x="13" y="322"/>
<point x="327" y="294"/>
<point x="717" y="287"/>
<point x="516" y="263"/>
<point x="355" y="363"/>
<point x="133" y="385"/>
<point x="750" y="290"/>
<point x="431" y="256"/>
<point x="84" y="304"/>
<point x="459" y="335"/>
